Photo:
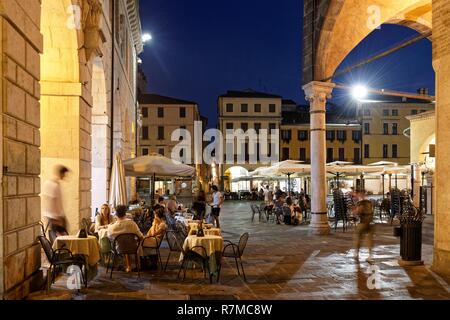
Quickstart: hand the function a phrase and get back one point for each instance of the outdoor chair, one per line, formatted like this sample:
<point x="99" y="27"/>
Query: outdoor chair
<point x="270" y="215"/>
<point x="235" y="251"/>
<point x="252" y="207"/>
<point x="262" y="213"/>
<point x="105" y="250"/>
<point x="195" y="256"/>
<point x="155" y="247"/>
<point x="125" y="244"/>
<point x="58" y="259"/>
<point x="88" y="226"/>
<point x="174" y="241"/>
<point x="287" y="215"/>
<point x="340" y="209"/>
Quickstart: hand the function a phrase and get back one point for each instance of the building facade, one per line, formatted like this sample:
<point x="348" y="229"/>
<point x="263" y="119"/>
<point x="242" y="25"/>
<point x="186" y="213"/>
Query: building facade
<point x="246" y="110"/>
<point x="161" y="117"/>
<point x="68" y="98"/>
<point x="384" y="121"/>
<point x="343" y="136"/>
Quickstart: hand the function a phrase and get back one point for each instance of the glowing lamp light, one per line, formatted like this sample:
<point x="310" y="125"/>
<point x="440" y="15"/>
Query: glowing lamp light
<point x="359" y="92"/>
<point x="146" y="37"/>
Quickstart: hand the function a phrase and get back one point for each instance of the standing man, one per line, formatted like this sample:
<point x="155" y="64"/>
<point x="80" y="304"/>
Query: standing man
<point x="216" y="205"/>
<point x="53" y="204"/>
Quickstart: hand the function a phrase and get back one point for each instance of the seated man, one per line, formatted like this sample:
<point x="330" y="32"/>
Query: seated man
<point x="172" y="205"/>
<point x="123" y="226"/>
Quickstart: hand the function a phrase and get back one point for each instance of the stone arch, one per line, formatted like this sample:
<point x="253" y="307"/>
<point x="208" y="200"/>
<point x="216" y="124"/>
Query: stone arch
<point x="66" y="103"/>
<point x="236" y="172"/>
<point x="337" y="39"/>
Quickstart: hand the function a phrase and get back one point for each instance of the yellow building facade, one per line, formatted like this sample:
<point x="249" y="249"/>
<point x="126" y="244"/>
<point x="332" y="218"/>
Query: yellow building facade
<point x="246" y="110"/>
<point x="342" y="135"/>
<point x="384" y="123"/>
<point x="161" y="116"/>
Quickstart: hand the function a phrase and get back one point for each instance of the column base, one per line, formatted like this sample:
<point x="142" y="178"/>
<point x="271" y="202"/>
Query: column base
<point x="404" y="263"/>
<point x="320" y="227"/>
<point x="441" y="262"/>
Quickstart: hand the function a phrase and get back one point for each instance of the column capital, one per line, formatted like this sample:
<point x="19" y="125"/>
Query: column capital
<point x="318" y="91"/>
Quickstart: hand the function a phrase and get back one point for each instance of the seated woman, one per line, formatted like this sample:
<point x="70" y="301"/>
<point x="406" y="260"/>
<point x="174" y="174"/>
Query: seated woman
<point x="123" y="226"/>
<point x="278" y="207"/>
<point x="104" y="219"/>
<point x="158" y="229"/>
<point x="154" y="236"/>
<point x="296" y="213"/>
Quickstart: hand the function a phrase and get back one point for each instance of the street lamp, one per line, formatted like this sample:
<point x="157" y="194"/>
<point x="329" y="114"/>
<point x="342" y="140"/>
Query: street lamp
<point x="146" y="37"/>
<point x="360" y="92"/>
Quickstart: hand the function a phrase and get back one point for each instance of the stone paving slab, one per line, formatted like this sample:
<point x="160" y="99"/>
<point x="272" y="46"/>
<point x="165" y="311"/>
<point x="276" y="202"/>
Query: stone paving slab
<point x="281" y="262"/>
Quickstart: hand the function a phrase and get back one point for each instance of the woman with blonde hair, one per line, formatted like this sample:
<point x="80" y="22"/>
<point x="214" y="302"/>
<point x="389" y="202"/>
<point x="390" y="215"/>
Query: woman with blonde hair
<point x="104" y="219"/>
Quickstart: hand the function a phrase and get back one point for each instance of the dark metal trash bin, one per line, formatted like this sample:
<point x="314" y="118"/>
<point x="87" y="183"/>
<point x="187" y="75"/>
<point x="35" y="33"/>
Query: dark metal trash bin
<point x="411" y="241"/>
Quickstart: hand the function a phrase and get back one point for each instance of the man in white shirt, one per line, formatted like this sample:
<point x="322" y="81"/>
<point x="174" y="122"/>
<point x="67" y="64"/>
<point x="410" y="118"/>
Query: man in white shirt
<point x="52" y="202"/>
<point x="123" y="226"/>
<point x="216" y="205"/>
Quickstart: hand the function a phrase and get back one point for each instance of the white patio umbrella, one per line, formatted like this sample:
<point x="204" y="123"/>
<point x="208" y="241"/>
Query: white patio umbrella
<point x="339" y="163"/>
<point x="383" y="163"/>
<point x="257" y="171"/>
<point x="117" y="190"/>
<point x="287" y="167"/>
<point x="156" y="165"/>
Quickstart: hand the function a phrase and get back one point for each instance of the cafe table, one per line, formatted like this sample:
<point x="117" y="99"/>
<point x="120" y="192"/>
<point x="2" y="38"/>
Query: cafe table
<point x="213" y="245"/>
<point x="206" y="231"/>
<point x="86" y="247"/>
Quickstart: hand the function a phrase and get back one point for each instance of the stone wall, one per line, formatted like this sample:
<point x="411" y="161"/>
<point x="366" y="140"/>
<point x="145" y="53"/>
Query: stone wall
<point x="441" y="64"/>
<point x="20" y="139"/>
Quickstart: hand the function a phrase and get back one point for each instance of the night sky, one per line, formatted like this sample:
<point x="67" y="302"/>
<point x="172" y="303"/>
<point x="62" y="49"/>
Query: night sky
<point x="201" y="49"/>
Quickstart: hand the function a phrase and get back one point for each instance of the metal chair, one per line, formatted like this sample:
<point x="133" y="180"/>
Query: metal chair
<point x="195" y="255"/>
<point x="88" y="226"/>
<point x="173" y="239"/>
<point x="59" y="258"/>
<point x="235" y="251"/>
<point x="252" y="206"/>
<point x="261" y="213"/>
<point x="125" y="244"/>
<point x="158" y="241"/>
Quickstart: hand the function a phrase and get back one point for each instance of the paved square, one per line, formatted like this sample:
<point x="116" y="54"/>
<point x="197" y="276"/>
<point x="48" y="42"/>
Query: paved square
<point x="281" y="262"/>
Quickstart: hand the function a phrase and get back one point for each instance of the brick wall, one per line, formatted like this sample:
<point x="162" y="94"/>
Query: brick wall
<point x="20" y="139"/>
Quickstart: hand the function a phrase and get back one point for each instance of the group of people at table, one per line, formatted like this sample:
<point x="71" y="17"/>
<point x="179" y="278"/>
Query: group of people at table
<point x="290" y="210"/>
<point x="165" y="215"/>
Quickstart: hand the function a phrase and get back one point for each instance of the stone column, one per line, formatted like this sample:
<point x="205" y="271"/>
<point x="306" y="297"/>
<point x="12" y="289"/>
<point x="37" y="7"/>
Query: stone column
<point x="317" y="94"/>
<point x="441" y="65"/>
<point x="417" y="174"/>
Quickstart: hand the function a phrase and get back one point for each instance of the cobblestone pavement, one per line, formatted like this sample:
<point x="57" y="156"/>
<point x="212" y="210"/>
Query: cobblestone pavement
<point x="281" y="262"/>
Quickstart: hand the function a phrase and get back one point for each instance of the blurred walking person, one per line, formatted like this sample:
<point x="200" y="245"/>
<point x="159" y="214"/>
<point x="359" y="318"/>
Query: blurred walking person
<point x="364" y="210"/>
<point x="52" y="201"/>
